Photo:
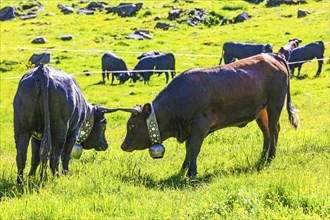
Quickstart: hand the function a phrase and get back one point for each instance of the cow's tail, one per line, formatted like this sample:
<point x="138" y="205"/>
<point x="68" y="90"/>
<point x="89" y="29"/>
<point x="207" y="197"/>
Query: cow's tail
<point x="221" y="56"/>
<point x="46" y="142"/>
<point x="292" y="111"/>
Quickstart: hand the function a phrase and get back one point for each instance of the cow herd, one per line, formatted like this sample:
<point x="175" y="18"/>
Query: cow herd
<point x="149" y="63"/>
<point x="154" y="62"/>
<point x="51" y="111"/>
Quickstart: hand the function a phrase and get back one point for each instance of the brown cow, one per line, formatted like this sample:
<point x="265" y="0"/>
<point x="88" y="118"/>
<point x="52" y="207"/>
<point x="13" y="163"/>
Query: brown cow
<point x="201" y="101"/>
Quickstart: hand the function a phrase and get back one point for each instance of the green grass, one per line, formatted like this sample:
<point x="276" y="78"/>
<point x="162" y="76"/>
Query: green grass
<point x="119" y="185"/>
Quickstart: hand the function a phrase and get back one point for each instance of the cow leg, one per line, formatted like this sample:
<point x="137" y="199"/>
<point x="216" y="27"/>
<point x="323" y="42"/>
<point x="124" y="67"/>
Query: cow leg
<point x="320" y="62"/>
<point x="112" y="78"/>
<point x="103" y="75"/>
<point x="166" y="74"/>
<point x="22" y="142"/>
<point x="200" y="126"/>
<point x="262" y="122"/>
<point x="274" y="128"/>
<point x="35" y="161"/>
<point x="187" y="158"/>
<point x="291" y="67"/>
<point x="299" y="68"/>
<point x="57" y="147"/>
<point x="66" y="153"/>
<point x="108" y="75"/>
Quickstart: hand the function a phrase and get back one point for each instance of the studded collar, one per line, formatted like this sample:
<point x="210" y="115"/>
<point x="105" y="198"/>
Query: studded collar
<point x="85" y="129"/>
<point x="153" y="128"/>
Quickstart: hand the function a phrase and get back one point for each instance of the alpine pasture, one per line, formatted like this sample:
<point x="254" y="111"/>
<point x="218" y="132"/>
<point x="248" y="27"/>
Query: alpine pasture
<point x="119" y="185"/>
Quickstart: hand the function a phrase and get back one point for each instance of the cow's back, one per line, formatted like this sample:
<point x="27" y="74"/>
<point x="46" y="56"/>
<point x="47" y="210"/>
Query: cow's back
<point x="226" y="88"/>
<point x="307" y="52"/>
<point x="112" y="62"/>
<point x="67" y="105"/>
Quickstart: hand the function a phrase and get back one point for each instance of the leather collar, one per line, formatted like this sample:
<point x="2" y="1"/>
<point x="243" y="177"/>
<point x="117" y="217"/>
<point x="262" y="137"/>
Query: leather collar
<point x="153" y="128"/>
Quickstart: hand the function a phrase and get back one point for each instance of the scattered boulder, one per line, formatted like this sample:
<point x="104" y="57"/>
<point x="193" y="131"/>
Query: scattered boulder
<point x="29" y="15"/>
<point x="302" y="13"/>
<point x="254" y="1"/>
<point x="85" y="11"/>
<point x="31" y="4"/>
<point x="174" y="14"/>
<point x="242" y="17"/>
<point x="226" y="21"/>
<point x="66" y="9"/>
<point x="162" y="25"/>
<point x="274" y="3"/>
<point x="7" y="13"/>
<point x="66" y="37"/>
<point x="124" y="10"/>
<point x="96" y="6"/>
<point x="87" y="73"/>
<point x="39" y="40"/>
<point x="139" y="35"/>
<point x="40" y="58"/>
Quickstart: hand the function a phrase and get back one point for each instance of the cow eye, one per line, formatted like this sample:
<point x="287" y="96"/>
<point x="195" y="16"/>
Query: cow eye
<point x="131" y="127"/>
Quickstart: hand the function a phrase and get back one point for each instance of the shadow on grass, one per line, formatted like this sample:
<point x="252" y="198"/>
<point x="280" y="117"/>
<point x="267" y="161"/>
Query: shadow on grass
<point x="180" y="181"/>
<point x="9" y="189"/>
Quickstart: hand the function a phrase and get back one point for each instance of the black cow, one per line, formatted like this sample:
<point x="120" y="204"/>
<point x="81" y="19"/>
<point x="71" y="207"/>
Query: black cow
<point x="150" y="53"/>
<point x="116" y="65"/>
<point x="306" y="53"/>
<point x="50" y="108"/>
<point x="201" y="101"/>
<point x="287" y="49"/>
<point x="159" y="64"/>
<point x="233" y="50"/>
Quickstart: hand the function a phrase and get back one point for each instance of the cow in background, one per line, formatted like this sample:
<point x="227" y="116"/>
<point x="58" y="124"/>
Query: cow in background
<point x="306" y="53"/>
<point x="287" y="49"/>
<point x="233" y="50"/>
<point x="163" y="63"/>
<point x="50" y="109"/>
<point x="111" y="63"/>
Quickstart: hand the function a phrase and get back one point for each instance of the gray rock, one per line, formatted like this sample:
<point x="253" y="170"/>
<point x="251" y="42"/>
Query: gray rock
<point x="135" y="37"/>
<point x="39" y="40"/>
<point x="28" y="16"/>
<point x="302" y="13"/>
<point x="67" y="10"/>
<point x="40" y="58"/>
<point x="7" y="13"/>
<point x="66" y="37"/>
<point x="85" y="11"/>
<point x="162" y="25"/>
<point x="242" y="17"/>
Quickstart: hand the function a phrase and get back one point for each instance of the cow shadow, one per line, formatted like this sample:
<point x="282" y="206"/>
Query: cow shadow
<point x="180" y="181"/>
<point x="9" y="189"/>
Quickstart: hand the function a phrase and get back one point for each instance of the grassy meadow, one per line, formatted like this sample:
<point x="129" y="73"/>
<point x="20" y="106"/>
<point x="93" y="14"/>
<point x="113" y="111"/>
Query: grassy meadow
<point x="119" y="185"/>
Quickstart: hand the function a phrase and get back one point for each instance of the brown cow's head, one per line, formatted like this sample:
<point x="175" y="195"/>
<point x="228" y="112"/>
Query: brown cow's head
<point x="137" y="137"/>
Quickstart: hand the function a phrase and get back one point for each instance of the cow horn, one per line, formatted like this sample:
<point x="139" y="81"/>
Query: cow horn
<point x="107" y="110"/>
<point x="134" y="110"/>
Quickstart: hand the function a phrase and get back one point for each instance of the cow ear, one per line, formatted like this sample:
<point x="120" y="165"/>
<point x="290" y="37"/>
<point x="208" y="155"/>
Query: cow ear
<point x="146" y="110"/>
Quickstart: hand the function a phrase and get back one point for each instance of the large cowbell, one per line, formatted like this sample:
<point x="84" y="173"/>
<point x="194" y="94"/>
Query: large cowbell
<point x="157" y="150"/>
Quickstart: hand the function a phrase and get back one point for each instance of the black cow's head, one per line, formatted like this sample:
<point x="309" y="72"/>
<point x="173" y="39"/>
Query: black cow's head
<point x="268" y="48"/>
<point x="96" y="138"/>
<point x="137" y="136"/>
<point x="135" y="76"/>
<point x="123" y="77"/>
